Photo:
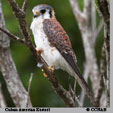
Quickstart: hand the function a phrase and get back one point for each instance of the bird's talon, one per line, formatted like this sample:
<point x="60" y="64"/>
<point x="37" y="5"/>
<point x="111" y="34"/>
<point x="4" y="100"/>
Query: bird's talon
<point x="39" y="51"/>
<point x="51" y="68"/>
<point x="45" y="75"/>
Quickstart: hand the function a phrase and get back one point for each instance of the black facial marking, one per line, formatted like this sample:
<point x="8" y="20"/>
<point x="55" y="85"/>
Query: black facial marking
<point x="50" y="12"/>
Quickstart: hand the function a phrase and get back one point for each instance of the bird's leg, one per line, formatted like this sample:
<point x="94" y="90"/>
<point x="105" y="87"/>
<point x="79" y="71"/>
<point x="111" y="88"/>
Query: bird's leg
<point x="39" y="50"/>
<point x="51" y="68"/>
<point x="45" y="75"/>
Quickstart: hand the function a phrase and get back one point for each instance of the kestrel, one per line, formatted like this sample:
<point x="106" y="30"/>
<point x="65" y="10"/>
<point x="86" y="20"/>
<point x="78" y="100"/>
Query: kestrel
<point x="53" y="44"/>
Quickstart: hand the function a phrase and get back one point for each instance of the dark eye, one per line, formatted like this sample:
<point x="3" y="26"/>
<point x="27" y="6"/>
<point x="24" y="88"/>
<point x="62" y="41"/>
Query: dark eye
<point x="43" y="11"/>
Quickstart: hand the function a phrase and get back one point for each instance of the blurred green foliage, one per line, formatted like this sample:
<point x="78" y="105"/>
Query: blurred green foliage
<point x="41" y="92"/>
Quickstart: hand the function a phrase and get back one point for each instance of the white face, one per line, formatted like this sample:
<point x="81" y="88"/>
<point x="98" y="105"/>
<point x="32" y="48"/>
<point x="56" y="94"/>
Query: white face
<point x="43" y="12"/>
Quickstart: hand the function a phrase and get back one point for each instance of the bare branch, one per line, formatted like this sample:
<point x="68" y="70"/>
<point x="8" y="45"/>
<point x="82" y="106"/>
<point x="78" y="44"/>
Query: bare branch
<point x="13" y="36"/>
<point x="102" y="76"/>
<point x="100" y="91"/>
<point x="74" y="89"/>
<point x="104" y="9"/>
<point x="24" y="6"/>
<point x="85" y="26"/>
<point x="29" y="86"/>
<point x="103" y="100"/>
<point x="20" y="15"/>
<point x="86" y="6"/>
<point x="65" y="95"/>
<point x="93" y="15"/>
<point x="76" y="98"/>
<point x="76" y="10"/>
<point x="86" y="75"/>
<point x="8" y="69"/>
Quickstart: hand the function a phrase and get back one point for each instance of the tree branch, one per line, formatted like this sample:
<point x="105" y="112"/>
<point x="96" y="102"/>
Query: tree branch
<point x="8" y="69"/>
<point x="29" y="86"/>
<point x="75" y="97"/>
<point x="24" y="6"/>
<point x="20" y="15"/>
<point x="85" y="26"/>
<point x="102" y="75"/>
<point x="77" y="12"/>
<point x="13" y="36"/>
<point x="104" y="10"/>
<point x="86" y="75"/>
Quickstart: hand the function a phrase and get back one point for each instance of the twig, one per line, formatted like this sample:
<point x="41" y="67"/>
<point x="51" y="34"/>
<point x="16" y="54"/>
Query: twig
<point x="13" y="36"/>
<point x="24" y="6"/>
<point x="76" y="98"/>
<point x="20" y="15"/>
<point x="29" y="86"/>
<point x="76" y="10"/>
<point x="74" y="88"/>
<point x="86" y="75"/>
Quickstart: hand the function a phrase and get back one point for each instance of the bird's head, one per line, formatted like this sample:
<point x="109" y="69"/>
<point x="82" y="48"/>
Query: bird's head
<point x="43" y="11"/>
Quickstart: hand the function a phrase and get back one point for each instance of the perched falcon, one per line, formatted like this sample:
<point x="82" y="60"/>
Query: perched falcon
<point x="53" y="44"/>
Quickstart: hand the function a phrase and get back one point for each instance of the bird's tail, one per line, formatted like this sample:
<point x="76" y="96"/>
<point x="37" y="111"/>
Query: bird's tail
<point x="79" y="78"/>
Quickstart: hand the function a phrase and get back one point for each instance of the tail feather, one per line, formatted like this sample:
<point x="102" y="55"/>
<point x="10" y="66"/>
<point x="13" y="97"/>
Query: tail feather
<point x="79" y="78"/>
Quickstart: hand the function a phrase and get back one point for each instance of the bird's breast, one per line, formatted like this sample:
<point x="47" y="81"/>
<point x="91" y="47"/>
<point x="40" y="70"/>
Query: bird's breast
<point x="50" y="54"/>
